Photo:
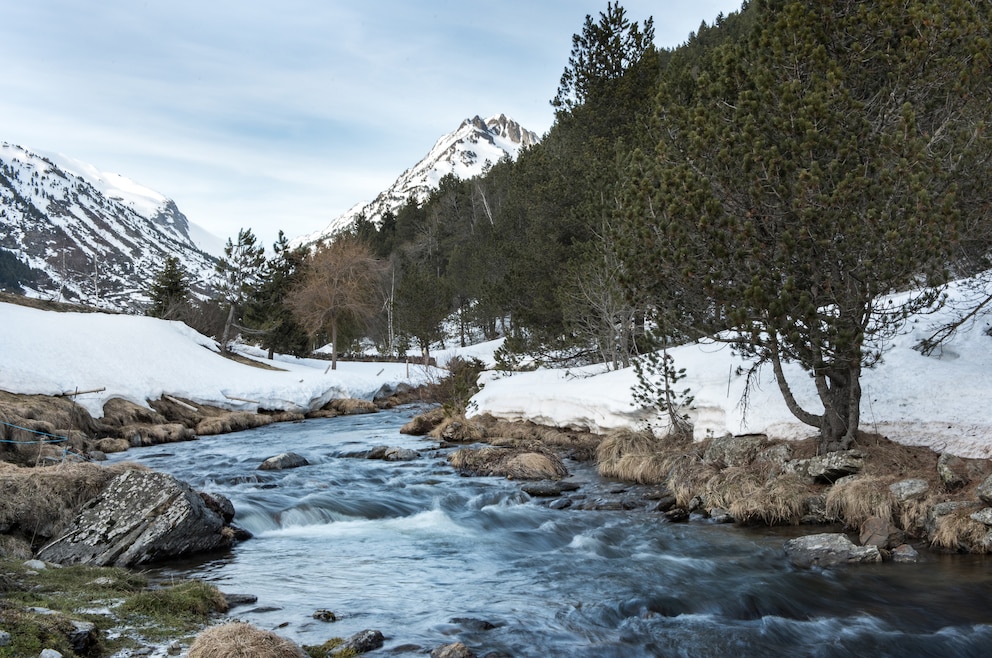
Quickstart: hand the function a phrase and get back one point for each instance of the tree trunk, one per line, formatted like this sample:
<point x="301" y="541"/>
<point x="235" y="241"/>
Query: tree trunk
<point x="334" y="343"/>
<point x="227" y="330"/>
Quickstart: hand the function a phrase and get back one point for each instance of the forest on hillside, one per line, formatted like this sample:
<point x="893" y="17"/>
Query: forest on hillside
<point x="769" y="182"/>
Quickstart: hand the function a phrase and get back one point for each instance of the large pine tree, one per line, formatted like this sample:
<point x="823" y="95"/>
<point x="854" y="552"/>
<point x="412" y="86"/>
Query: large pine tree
<point x="802" y="174"/>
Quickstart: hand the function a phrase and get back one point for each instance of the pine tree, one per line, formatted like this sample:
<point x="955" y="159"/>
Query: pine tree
<point x="266" y="311"/>
<point x="240" y="270"/>
<point x="170" y="291"/>
<point x="806" y="172"/>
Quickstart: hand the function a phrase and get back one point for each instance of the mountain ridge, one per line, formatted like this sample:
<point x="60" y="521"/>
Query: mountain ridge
<point x="96" y="238"/>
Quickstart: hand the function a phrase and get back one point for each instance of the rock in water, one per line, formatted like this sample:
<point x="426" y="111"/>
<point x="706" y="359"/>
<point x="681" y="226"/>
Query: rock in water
<point x="283" y="461"/>
<point x="829" y="549"/>
<point x="139" y="517"/>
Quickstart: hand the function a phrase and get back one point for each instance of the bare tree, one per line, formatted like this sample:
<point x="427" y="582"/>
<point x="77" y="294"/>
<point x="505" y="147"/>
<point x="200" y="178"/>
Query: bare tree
<point x="342" y="283"/>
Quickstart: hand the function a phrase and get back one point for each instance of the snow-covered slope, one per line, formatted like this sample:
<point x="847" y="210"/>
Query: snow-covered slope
<point x="98" y="238"/>
<point x="140" y="358"/>
<point x="464" y="153"/>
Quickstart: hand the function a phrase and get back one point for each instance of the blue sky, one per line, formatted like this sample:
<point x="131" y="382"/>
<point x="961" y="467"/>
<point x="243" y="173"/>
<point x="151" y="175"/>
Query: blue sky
<point x="284" y="115"/>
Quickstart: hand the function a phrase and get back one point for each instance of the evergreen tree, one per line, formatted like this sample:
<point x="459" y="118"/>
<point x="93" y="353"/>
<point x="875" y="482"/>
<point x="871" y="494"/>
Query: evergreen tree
<point x="169" y="291"/>
<point x="601" y="54"/>
<point x="802" y="174"/>
<point x="240" y="269"/>
<point x="422" y="303"/>
<point x="266" y="311"/>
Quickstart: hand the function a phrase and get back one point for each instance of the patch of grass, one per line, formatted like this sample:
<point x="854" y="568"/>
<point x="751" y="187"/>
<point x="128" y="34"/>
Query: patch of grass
<point x="959" y="532"/>
<point x="38" y="607"/>
<point x="329" y="649"/>
<point x="31" y="632"/>
<point x="169" y="611"/>
<point x="854" y="500"/>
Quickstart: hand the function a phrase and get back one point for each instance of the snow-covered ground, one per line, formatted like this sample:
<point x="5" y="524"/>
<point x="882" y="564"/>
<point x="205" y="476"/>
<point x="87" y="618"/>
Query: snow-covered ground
<point x="943" y="401"/>
<point x="141" y="358"/>
<point x="940" y="401"/>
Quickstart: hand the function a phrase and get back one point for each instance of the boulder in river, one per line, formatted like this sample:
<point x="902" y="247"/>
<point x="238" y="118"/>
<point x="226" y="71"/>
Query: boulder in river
<point x="455" y="650"/>
<point x="829" y="549"/>
<point x="283" y="461"/>
<point x="139" y="517"/>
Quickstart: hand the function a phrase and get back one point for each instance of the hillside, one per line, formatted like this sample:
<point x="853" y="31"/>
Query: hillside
<point x="95" y="238"/>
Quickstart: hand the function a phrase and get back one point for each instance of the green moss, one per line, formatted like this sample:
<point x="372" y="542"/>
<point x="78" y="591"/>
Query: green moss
<point x="330" y="649"/>
<point x="181" y="608"/>
<point x="107" y="597"/>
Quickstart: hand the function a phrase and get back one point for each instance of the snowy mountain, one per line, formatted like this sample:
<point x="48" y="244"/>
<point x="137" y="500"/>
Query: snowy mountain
<point x="96" y="238"/>
<point x="466" y="152"/>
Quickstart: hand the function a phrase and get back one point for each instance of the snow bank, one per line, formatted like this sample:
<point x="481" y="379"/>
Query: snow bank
<point x="141" y="359"/>
<point x="939" y="401"/>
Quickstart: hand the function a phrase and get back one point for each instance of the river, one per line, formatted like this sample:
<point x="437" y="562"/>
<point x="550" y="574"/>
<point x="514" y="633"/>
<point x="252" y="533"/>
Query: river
<point x="429" y="558"/>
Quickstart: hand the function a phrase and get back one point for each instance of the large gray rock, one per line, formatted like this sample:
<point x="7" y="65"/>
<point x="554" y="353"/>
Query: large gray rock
<point x="829" y="549"/>
<point x="828" y="468"/>
<point x="139" y="517"/>
<point x="735" y="450"/>
<point x="952" y="471"/>
<point x="912" y="489"/>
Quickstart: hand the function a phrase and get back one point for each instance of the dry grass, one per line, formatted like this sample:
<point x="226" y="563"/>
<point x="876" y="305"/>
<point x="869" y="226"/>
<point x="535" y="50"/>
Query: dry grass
<point x="856" y="499"/>
<point x="457" y="429"/>
<point x="639" y="457"/>
<point x="38" y="502"/>
<point x="233" y="422"/>
<point x="241" y="640"/>
<point x="422" y="424"/>
<point x="516" y="464"/>
<point x="534" y="466"/>
<point x="352" y="406"/>
<point x="957" y="531"/>
<point x="780" y="501"/>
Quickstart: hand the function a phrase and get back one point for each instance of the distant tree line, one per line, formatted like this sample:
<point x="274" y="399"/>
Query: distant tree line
<point x="769" y="182"/>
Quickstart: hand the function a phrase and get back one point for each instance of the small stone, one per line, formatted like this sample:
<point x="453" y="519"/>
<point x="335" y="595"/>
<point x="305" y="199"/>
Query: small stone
<point x="324" y="615"/>
<point x="4" y="638"/>
<point x="234" y="600"/>
<point x="985" y="491"/>
<point x="284" y="461"/>
<point x="35" y="565"/>
<point x="49" y="653"/>
<point x="456" y="650"/>
<point x="560" y="503"/>
<point x="905" y="554"/>
<point x="363" y="641"/>
<point x="877" y="531"/>
<point x="983" y="516"/>
<point x="541" y="489"/>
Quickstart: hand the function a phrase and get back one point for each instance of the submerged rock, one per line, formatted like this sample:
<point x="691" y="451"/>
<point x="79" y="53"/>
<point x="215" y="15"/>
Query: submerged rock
<point x="284" y="461"/>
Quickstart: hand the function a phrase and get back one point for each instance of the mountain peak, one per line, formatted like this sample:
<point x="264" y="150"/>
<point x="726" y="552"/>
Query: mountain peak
<point x="466" y="152"/>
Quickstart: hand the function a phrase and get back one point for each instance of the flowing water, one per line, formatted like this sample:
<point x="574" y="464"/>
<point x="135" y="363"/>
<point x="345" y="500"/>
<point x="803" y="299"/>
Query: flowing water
<point x="429" y="558"/>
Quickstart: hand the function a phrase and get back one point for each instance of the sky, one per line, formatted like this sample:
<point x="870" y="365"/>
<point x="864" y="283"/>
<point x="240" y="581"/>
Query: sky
<point x="939" y="401"/>
<point x="284" y="115"/>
